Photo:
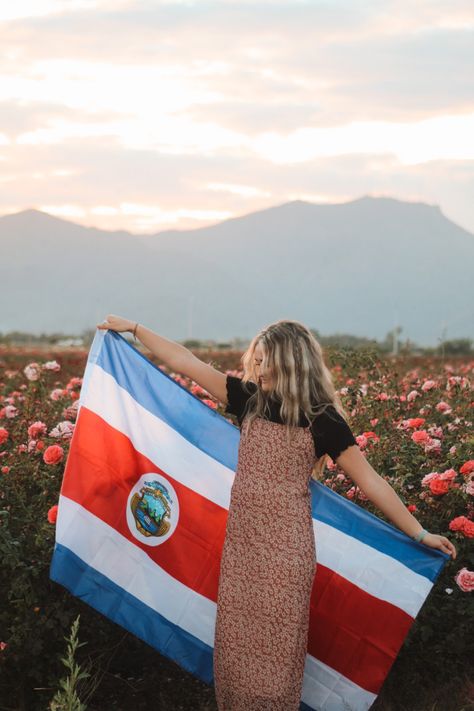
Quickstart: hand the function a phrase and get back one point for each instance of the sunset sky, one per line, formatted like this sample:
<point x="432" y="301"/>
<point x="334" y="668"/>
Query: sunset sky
<point x="146" y="115"/>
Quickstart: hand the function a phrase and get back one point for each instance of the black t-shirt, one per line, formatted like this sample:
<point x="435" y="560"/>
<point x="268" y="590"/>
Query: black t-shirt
<point x="331" y="433"/>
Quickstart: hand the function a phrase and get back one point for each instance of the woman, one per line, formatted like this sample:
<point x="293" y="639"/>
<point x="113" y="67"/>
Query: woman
<point x="291" y="418"/>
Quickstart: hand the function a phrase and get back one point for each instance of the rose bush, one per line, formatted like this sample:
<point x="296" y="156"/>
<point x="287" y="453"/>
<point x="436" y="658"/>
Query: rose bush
<point x="415" y="427"/>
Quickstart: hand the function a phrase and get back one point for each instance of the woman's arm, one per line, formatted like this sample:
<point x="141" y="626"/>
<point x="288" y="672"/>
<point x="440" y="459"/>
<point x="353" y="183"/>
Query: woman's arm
<point x="380" y="493"/>
<point x="174" y="355"/>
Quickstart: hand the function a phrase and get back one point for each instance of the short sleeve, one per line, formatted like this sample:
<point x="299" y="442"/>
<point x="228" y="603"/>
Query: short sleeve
<point x="332" y="434"/>
<point x="236" y="396"/>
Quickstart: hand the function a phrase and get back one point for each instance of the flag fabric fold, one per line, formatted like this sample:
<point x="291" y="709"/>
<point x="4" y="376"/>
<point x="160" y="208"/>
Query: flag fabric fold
<point x="141" y="524"/>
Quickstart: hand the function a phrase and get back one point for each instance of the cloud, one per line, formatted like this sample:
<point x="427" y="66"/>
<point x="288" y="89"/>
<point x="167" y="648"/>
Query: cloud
<point x="20" y="117"/>
<point x="174" y="112"/>
<point x="143" y="191"/>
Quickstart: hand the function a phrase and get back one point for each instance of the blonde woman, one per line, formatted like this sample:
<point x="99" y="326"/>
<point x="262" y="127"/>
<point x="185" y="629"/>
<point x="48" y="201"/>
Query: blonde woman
<point x="291" y="419"/>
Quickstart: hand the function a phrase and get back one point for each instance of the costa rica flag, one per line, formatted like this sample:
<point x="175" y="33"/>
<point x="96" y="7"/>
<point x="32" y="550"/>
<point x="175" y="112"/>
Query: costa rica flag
<point x="141" y="525"/>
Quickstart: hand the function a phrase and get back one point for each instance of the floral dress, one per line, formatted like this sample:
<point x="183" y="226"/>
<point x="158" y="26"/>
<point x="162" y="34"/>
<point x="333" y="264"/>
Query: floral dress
<point x="268" y="561"/>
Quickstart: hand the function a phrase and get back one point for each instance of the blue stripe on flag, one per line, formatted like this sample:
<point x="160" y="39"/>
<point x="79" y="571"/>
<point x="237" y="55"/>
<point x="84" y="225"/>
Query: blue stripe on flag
<point x="125" y="609"/>
<point x="335" y="510"/>
<point x="171" y="402"/>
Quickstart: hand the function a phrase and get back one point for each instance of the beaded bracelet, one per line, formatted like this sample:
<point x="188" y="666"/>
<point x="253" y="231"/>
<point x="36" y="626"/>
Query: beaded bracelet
<point x="135" y="331"/>
<point x="419" y="537"/>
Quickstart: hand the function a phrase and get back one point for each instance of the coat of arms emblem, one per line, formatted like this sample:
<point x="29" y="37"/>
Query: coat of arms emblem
<point x="152" y="509"/>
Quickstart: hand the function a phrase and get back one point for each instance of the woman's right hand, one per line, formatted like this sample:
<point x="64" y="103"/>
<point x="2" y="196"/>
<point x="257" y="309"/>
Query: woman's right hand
<point x="116" y="323"/>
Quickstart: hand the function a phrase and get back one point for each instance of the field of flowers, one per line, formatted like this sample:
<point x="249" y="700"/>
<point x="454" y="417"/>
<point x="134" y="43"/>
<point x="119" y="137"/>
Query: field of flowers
<point x="411" y="418"/>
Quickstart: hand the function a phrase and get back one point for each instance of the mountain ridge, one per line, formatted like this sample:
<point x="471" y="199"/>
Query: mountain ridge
<point x="360" y="267"/>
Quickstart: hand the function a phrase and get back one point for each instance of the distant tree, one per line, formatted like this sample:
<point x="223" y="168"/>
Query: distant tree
<point x="192" y="343"/>
<point x="458" y="346"/>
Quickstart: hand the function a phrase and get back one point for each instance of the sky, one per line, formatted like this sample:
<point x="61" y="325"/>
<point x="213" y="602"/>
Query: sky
<point x="147" y="115"/>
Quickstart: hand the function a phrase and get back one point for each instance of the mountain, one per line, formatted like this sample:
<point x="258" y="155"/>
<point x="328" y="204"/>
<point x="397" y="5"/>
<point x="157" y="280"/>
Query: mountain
<point x="361" y="267"/>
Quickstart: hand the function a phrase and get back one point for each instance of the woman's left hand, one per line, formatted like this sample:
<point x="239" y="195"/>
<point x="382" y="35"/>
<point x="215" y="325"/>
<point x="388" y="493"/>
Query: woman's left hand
<point x="433" y="540"/>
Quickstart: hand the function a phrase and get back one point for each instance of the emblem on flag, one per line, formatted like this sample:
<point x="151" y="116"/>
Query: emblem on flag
<point x="152" y="509"/>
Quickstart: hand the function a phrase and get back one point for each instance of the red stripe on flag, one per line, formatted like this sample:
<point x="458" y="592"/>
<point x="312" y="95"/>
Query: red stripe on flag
<point x="351" y="631"/>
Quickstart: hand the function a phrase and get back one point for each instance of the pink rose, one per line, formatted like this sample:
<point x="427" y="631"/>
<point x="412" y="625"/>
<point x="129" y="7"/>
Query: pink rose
<point x="428" y="477"/>
<point x="53" y="514"/>
<point x="58" y="393"/>
<point x="73" y="383"/>
<point x="53" y="454"/>
<point x="32" y="371"/>
<point x="428" y="385"/>
<point x="3" y="435"/>
<point x="469" y="488"/>
<point x="9" y="412"/>
<point x="36" y="429"/>
<point x="52" y="365"/>
<point x="64" y="430"/>
<point x="465" y="579"/>
<point x="448" y="475"/>
<point x="70" y="413"/>
<point x="5" y="470"/>
<point x="433" y="445"/>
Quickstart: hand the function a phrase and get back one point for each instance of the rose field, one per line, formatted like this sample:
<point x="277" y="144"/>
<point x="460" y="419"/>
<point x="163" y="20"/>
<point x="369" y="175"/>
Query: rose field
<point x="412" y="418"/>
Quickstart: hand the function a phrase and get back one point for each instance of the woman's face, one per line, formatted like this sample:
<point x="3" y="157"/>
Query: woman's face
<point x="264" y="375"/>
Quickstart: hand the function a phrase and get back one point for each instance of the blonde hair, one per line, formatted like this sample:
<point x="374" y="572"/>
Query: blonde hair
<point x="301" y="379"/>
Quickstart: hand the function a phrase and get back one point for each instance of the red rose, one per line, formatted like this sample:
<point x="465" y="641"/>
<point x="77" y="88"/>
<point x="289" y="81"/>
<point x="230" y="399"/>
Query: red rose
<point x="3" y="435"/>
<point x="53" y="454"/>
<point x="53" y="514"/>
<point x="457" y="523"/>
<point x="420" y="436"/>
<point x="468" y="528"/>
<point x="416" y="422"/>
<point x="467" y="467"/>
<point x="439" y="486"/>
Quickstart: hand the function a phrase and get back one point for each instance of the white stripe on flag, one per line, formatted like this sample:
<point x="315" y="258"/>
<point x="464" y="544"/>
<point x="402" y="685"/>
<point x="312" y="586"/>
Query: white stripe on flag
<point x="371" y="570"/>
<point x="325" y="689"/>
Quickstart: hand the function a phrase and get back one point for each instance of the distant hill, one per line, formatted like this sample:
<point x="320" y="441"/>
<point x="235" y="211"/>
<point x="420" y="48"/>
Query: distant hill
<point x="360" y="267"/>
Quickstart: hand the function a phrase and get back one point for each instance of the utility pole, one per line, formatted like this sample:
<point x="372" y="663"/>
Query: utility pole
<point x="395" y="333"/>
<point x="190" y="317"/>
<point x="443" y="340"/>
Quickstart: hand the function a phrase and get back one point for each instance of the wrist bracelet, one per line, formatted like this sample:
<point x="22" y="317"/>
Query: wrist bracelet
<point x="135" y="331"/>
<point x="419" y="537"/>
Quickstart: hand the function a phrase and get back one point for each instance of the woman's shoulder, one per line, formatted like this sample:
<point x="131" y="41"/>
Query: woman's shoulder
<point x="327" y="415"/>
<point x="332" y="432"/>
<point x="238" y="392"/>
<point x="235" y="383"/>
